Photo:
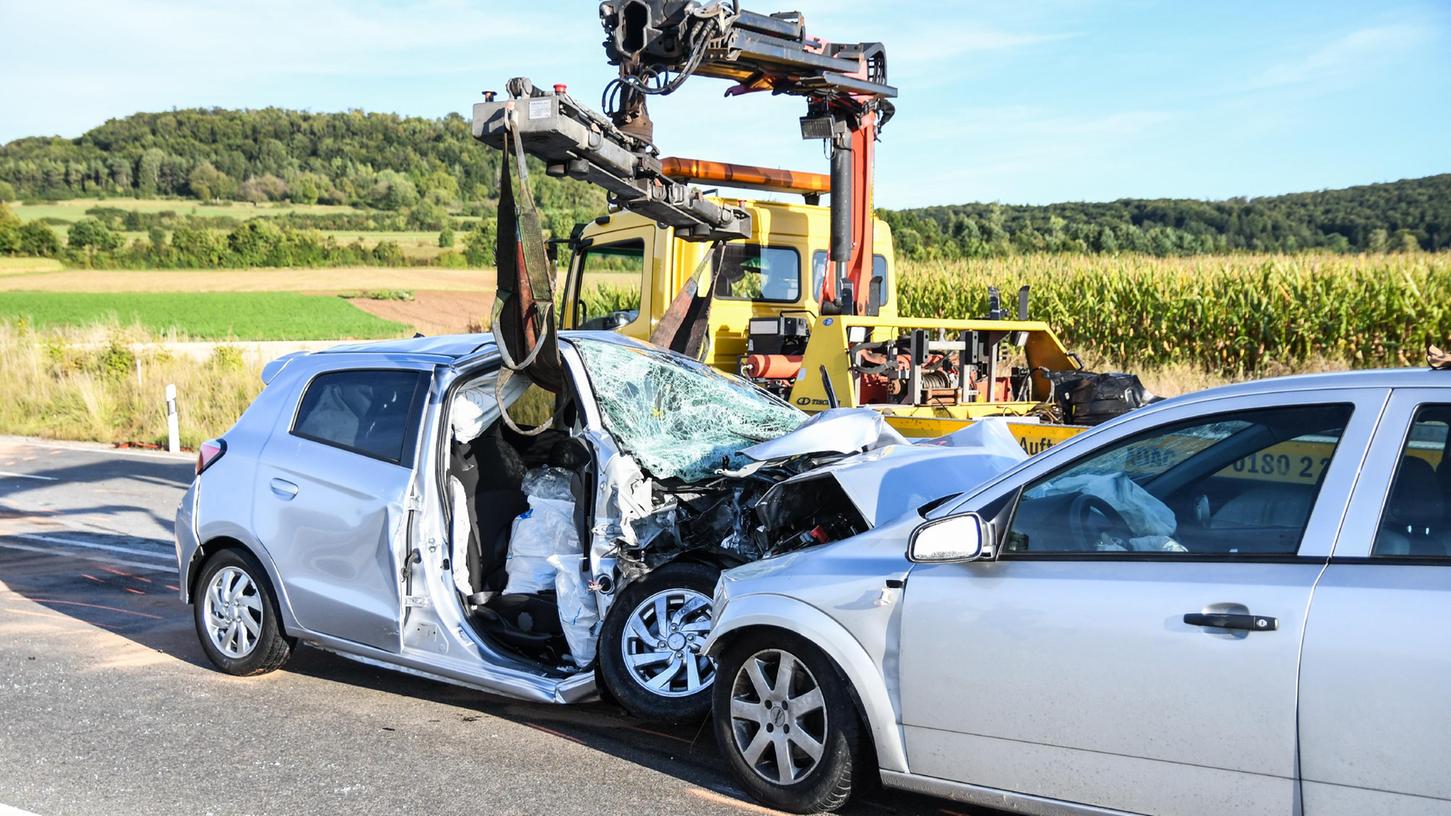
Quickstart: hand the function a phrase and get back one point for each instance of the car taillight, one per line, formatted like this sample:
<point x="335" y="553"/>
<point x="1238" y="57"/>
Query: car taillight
<point x="210" y="451"/>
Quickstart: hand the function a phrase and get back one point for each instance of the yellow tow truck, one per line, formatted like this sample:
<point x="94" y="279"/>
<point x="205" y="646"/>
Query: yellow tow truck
<point x="799" y="298"/>
<point x="766" y="323"/>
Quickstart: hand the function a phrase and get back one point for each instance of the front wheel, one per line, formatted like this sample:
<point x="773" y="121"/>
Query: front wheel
<point x="236" y="619"/>
<point x="650" y="658"/>
<point x="786" y="723"/>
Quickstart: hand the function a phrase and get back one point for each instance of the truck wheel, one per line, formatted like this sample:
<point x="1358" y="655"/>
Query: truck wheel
<point x="650" y="645"/>
<point x="786" y="723"/>
<point x="236" y="619"/>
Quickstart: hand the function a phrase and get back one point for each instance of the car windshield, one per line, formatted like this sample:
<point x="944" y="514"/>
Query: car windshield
<point x="679" y="418"/>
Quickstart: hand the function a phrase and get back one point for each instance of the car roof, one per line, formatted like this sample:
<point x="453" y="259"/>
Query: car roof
<point x="457" y="346"/>
<point x="1375" y="378"/>
<point x="452" y="346"/>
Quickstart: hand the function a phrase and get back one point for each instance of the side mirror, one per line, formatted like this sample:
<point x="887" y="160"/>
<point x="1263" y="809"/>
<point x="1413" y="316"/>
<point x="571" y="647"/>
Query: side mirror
<point x="954" y="539"/>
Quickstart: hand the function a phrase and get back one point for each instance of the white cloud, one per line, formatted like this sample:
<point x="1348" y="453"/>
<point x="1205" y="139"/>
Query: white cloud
<point x="1346" y="56"/>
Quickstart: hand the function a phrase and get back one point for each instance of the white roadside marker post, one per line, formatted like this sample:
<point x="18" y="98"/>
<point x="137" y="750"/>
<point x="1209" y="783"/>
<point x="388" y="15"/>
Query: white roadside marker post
<point x="173" y="430"/>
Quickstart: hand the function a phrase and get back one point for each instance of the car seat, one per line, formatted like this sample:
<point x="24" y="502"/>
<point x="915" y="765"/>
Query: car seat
<point x="1415" y="511"/>
<point x="528" y="624"/>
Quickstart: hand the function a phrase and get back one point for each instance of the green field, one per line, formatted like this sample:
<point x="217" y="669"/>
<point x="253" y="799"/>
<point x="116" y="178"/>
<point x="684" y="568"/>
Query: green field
<point x="203" y="315"/>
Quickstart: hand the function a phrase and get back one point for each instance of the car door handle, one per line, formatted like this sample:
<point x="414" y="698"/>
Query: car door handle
<point x="283" y="489"/>
<point x="1231" y="620"/>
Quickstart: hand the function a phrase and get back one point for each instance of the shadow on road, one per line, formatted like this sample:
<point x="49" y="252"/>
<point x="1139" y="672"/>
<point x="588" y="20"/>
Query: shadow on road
<point x="143" y="606"/>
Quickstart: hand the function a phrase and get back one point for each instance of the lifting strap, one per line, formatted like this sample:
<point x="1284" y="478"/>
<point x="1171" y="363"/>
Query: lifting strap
<point x="523" y="314"/>
<point x="683" y="327"/>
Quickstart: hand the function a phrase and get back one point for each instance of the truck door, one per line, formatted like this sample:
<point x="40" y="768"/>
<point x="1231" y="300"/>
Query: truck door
<point x="1375" y="717"/>
<point x="610" y="282"/>
<point x="331" y="500"/>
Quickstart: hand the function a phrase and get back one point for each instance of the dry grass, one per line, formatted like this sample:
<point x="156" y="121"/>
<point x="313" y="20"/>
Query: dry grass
<point x="18" y="266"/>
<point x="83" y="384"/>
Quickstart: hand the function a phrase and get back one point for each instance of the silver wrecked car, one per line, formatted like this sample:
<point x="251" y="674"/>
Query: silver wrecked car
<point x="374" y="502"/>
<point x="1236" y="601"/>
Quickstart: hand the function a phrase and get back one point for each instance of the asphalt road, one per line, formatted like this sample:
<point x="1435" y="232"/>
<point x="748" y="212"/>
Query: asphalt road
<point x="110" y="706"/>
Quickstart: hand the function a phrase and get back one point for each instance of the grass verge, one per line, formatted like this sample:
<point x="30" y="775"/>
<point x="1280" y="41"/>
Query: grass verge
<point x="86" y="384"/>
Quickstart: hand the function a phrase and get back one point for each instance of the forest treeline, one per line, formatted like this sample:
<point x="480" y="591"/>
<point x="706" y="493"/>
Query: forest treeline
<point x="423" y="169"/>
<point x="1396" y="216"/>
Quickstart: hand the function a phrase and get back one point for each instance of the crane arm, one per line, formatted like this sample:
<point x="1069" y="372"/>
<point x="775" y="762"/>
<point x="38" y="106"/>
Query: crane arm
<point x="658" y="45"/>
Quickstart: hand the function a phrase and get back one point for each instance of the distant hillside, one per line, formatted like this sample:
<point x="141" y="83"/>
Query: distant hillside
<point x="1375" y="217"/>
<point x="366" y="159"/>
<point x="397" y="163"/>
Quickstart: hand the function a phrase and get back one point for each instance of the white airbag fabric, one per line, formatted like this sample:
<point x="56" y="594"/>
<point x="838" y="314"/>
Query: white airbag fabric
<point x="578" y="615"/>
<point x="545" y="529"/>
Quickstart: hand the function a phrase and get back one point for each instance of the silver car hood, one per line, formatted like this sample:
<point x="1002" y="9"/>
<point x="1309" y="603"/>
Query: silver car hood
<point x="839" y="430"/>
<point x="886" y="481"/>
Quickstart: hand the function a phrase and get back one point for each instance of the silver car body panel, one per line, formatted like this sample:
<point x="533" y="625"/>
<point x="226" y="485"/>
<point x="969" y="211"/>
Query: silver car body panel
<point x="1368" y="680"/>
<point x="434" y="639"/>
<point x="839" y="430"/>
<point x="1079" y="682"/>
<point x="1004" y="800"/>
<point x="886" y="482"/>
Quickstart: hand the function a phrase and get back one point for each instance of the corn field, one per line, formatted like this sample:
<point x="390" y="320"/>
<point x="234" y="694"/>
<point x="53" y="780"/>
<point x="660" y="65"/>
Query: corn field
<point x="1231" y="315"/>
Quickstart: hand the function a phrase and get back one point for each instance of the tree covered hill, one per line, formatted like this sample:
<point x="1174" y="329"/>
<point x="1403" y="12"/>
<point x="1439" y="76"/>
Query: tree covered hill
<point x="395" y="163"/>
<point x="1400" y="215"/>
<point x="375" y="160"/>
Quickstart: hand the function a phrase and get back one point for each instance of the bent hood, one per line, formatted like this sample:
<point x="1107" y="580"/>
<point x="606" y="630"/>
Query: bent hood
<point x="885" y="482"/>
<point x="839" y="430"/>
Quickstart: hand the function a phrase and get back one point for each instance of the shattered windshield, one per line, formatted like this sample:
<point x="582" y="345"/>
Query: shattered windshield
<point x="677" y="417"/>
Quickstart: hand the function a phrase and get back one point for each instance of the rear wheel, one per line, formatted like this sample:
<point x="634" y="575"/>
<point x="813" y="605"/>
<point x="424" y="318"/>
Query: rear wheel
<point x="650" y="658"/>
<point x="236" y="619"/>
<point x="786" y="723"/>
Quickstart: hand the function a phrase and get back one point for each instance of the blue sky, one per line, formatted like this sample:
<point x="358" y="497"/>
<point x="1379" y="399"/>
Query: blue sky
<point x="1041" y="101"/>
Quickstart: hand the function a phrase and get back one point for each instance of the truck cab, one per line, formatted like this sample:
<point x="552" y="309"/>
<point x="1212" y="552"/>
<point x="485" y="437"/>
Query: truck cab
<point x="928" y="376"/>
<point x="627" y="269"/>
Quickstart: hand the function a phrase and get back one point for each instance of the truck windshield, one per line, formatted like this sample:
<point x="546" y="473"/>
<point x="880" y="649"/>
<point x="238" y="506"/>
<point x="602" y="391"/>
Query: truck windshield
<point x="680" y="419"/>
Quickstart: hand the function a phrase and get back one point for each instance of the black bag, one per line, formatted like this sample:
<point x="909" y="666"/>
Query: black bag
<point x="1093" y="398"/>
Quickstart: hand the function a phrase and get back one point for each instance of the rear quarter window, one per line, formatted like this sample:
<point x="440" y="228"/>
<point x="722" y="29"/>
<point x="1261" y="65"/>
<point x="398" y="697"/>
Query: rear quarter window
<point x="373" y="413"/>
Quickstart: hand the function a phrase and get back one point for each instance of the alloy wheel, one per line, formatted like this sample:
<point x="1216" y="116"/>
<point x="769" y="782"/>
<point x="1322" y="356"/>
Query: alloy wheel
<point x="233" y="610"/>
<point x="662" y="641"/>
<point x="778" y="717"/>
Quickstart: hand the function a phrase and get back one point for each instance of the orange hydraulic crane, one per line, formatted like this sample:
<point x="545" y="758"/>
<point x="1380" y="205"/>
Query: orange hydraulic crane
<point x="658" y="45"/>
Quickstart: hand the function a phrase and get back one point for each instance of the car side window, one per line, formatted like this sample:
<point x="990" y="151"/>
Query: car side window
<point x="1241" y="483"/>
<point x="370" y="412"/>
<point x="1416" y="520"/>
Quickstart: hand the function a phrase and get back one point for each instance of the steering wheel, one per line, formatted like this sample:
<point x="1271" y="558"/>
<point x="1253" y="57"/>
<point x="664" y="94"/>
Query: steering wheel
<point x="1090" y="518"/>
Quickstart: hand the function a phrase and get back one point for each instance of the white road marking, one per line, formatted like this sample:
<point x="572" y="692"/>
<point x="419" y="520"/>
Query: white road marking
<point x="6" y="810"/>
<point x="96" y="447"/>
<point x="120" y="562"/>
<point x="70" y="542"/>
<point x="8" y="475"/>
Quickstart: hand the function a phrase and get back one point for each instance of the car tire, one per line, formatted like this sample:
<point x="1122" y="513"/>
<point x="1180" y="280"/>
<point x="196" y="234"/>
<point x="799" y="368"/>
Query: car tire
<point x="236" y="616"/>
<point x="752" y="727"/>
<point x="636" y="653"/>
